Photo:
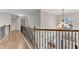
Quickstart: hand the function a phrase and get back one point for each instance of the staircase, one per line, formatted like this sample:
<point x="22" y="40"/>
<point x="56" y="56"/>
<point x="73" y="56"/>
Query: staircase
<point x="29" y="35"/>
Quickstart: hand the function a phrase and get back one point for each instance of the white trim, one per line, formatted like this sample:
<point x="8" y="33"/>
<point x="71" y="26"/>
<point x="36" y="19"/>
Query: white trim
<point x="26" y="41"/>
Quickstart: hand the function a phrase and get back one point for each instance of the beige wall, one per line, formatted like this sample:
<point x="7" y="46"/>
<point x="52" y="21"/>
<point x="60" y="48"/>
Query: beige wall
<point x="48" y="20"/>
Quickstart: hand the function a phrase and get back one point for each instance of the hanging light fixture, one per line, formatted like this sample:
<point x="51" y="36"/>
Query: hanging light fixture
<point x="62" y="22"/>
<point x="61" y="25"/>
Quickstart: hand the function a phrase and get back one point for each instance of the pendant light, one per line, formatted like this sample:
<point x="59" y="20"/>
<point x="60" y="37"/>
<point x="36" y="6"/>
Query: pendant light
<point x="61" y="25"/>
<point x="62" y="22"/>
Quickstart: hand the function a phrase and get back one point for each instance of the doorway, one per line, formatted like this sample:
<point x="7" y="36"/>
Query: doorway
<point x="23" y="22"/>
<point x="14" y="22"/>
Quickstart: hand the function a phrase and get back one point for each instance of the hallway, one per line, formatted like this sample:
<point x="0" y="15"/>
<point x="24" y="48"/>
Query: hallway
<point x="14" y="41"/>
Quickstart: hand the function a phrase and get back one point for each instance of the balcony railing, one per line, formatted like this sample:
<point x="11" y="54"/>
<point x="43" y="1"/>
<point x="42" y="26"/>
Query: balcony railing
<point x="29" y="36"/>
<point x="4" y="30"/>
<point x="56" y="39"/>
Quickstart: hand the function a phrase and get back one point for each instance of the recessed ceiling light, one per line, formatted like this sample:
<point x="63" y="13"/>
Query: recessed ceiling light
<point x="20" y="15"/>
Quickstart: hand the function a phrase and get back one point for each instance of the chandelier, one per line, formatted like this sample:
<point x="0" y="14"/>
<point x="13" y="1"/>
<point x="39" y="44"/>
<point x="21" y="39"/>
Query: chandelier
<point x="61" y="24"/>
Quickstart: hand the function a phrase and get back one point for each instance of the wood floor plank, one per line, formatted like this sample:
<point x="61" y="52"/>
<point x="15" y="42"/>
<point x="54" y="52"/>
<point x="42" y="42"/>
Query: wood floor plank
<point x="14" y="41"/>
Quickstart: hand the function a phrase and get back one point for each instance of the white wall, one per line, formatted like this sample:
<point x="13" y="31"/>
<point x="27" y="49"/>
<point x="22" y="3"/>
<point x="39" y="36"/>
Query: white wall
<point x="5" y="19"/>
<point x="34" y="19"/>
<point x="33" y="15"/>
<point x="48" y="20"/>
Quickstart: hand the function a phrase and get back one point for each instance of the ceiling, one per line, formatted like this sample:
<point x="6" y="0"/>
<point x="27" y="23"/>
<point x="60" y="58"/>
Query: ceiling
<point x="19" y="11"/>
<point x="59" y="11"/>
<point x="29" y="11"/>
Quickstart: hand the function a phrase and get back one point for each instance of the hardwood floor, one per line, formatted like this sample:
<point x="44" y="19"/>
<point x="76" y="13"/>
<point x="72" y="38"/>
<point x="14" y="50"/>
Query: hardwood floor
<point x="14" y="41"/>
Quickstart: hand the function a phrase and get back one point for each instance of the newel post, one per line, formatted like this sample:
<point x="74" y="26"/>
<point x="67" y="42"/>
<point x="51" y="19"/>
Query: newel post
<point x="34" y="36"/>
<point x="4" y="29"/>
<point x="34" y="32"/>
<point x="9" y="28"/>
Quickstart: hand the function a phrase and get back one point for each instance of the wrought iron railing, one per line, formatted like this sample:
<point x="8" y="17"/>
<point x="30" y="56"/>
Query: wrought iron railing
<point x="29" y="36"/>
<point x="4" y="30"/>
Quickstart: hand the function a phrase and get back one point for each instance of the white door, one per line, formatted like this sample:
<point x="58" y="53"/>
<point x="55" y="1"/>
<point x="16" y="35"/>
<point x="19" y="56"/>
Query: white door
<point x="14" y="22"/>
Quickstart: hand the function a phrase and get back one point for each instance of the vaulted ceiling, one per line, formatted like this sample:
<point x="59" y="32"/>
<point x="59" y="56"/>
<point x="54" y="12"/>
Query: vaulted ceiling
<point x="59" y="11"/>
<point x="29" y="11"/>
<point x="20" y="11"/>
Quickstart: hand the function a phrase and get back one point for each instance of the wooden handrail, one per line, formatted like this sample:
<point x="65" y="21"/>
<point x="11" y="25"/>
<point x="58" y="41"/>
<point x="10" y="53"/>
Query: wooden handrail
<point x="56" y="30"/>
